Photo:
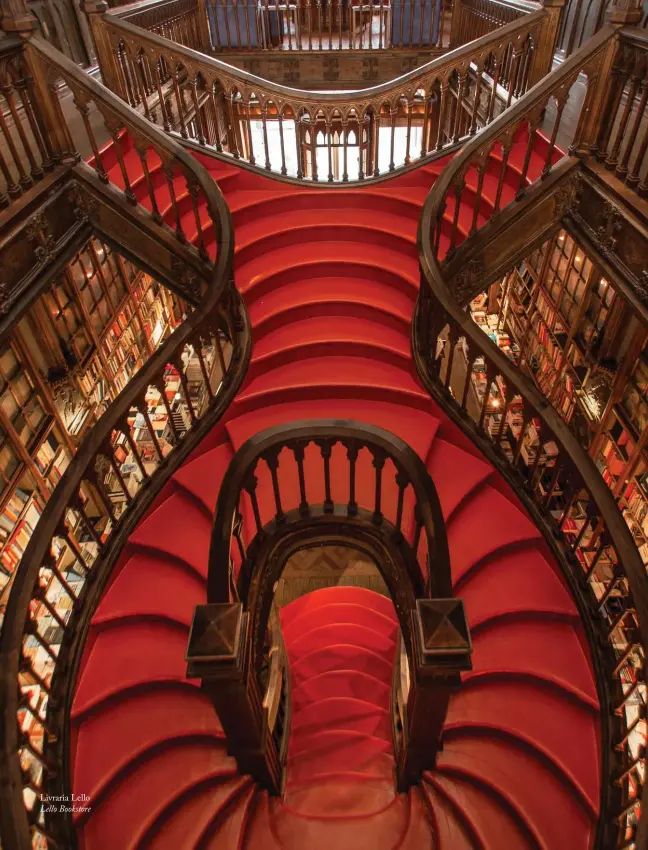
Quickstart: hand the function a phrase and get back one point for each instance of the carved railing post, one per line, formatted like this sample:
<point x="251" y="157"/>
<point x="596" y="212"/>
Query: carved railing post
<point x="628" y="12"/>
<point x="219" y="655"/>
<point x="546" y="46"/>
<point x="95" y="10"/>
<point x="442" y="650"/>
<point x="455" y="23"/>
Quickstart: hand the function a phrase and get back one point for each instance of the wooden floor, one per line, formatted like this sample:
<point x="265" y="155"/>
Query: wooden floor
<point x="326" y="566"/>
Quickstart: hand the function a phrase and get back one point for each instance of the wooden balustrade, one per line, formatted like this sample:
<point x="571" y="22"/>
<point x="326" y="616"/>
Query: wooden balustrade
<point x="119" y="468"/>
<point x="330" y="479"/>
<point x="26" y="152"/>
<point x="326" y="137"/>
<point x="474" y="18"/>
<point x="622" y="142"/>
<point x="327" y="25"/>
<point x="518" y="150"/>
<point x="513" y="423"/>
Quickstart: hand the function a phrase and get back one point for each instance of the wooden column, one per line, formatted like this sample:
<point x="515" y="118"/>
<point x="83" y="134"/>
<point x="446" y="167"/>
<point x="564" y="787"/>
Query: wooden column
<point x="219" y="654"/>
<point x="546" y="46"/>
<point x="442" y="649"/>
<point x="95" y="10"/>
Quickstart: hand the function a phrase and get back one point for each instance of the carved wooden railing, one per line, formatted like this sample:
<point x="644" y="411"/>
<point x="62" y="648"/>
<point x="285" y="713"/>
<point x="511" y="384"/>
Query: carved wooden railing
<point x="329" y="137"/>
<point x="474" y="18"/>
<point x="515" y="426"/>
<point x="116" y="474"/>
<point x="328" y="25"/>
<point x="310" y="481"/>
<point x="26" y="154"/>
<point x="622" y="142"/>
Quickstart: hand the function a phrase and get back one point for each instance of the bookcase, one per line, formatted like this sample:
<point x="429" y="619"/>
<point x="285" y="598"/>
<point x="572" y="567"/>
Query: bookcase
<point x="569" y="328"/>
<point x="73" y="351"/>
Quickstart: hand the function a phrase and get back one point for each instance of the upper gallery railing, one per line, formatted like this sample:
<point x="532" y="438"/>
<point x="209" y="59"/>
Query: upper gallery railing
<point x="322" y="136"/>
<point x="116" y="473"/>
<point x="515" y="425"/>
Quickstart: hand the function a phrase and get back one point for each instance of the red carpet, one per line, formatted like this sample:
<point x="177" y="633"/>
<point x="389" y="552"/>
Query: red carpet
<point x="330" y="279"/>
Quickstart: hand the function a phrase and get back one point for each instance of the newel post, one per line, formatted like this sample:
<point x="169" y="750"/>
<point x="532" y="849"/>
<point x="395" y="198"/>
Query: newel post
<point x="219" y="655"/>
<point x="442" y="650"/>
<point x="456" y="13"/>
<point x="95" y="11"/>
<point x="546" y="46"/>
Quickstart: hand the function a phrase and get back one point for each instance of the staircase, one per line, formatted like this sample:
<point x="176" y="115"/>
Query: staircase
<point x="330" y="277"/>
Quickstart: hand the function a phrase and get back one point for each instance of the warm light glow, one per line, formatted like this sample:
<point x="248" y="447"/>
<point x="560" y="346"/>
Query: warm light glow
<point x="578" y="259"/>
<point x="561" y="238"/>
<point x="495" y="402"/>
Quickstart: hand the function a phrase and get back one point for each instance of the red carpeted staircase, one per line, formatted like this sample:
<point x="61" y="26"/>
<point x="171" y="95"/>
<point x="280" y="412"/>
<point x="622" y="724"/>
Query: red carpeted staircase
<point x="330" y="279"/>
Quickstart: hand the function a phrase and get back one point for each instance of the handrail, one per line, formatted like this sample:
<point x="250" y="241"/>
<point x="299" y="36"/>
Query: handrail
<point x="305" y="441"/>
<point x="97" y="502"/>
<point x="230" y="112"/>
<point x="517" y="428"/>
<point x="523" y="119"/>
<point x="314" y="480"/>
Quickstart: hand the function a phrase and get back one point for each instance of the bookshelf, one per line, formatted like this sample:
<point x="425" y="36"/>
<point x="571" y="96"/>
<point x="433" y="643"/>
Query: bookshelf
<point x="66" y="359"/>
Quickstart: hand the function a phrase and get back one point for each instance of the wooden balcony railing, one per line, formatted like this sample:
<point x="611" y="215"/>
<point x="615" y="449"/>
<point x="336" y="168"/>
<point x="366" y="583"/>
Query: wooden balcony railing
<point x="320" y="479"/>
<point x="513" y="423"/>
<point x="116" y="473"/>
<point x="26" y="152"/>
<point x="327" y="137"/>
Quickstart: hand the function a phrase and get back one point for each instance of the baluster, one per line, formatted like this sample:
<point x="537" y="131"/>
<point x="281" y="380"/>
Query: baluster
<point x="161" y="388"/>
<point x="452" y="338"/>
<point x="438" y="224"/>
<point x="376" y="166"/>
<point x="470" y="362"/>
<point x="235" y="8"/>
<point x="425" y="127"/>
<point x="481" y="172"/>
<point x="442" y="111"/>
<point x="247" y="24"/>
<point x="248" y="130"/>
<point x="380" y="26"/>
<point x="458" y="188"/>
<point x="166" y="123"/>
<point x="38" y="131"/>
<point x="329" y="4"/>
<point x="177" y="363"/>
<point x="329" y="133"/>
<point x="496" y="79"/>
<point x="319" y="22"/>
<point x="309" y="17"/>
<point x="612" y="158"/>
<point x="228" y="36"/>
<point x="352" y="457"/>
<point x="533" y="128"/>
<point x="473" y="120"/>
<point x="264" y="126"/>
<point x="272" y="460"/>
<point x="378" y="464"/>
<point x="326" y="447"/>
<point x="401" y="481"/>
<point x="506" y="152"/>
<point x="36" y="171"/>
<point x="250" y="487"/>
<point x="197" y="111"/>
<point x="168" y="173"/>
<point x="23" y="178"/>
<point x="554" y="134"/>
<point x="622" y="168"/>
<point x="298" y="451"/>
<point x="490" y="375"/>
<point x="345" y="150"/>
<point x="392" y="119"/>
<point x="339" y="17"/>
<point x="314" y="149"/>
<point x="408" y="133"/>
<point x="179" y="104"/>
<point x="219" y="352"/>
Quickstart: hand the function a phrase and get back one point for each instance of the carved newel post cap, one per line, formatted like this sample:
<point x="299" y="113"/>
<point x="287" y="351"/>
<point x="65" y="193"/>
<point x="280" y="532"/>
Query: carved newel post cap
<point x="442" y="635"/>
<point x="215" y="640"/>
<point x="94" y="7"/>
<point x="625" y="12"/>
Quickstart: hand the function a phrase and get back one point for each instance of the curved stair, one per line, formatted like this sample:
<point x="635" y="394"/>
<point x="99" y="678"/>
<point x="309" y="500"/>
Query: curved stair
<point x="330" y="279"/>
